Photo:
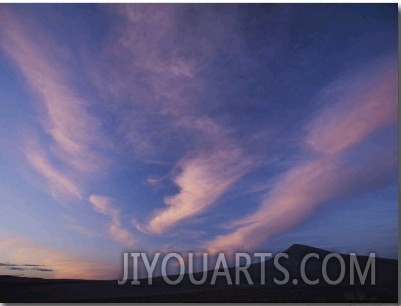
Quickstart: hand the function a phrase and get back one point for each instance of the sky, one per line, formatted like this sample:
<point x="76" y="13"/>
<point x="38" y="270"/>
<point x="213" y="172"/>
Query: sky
<point x="194" y="128"/>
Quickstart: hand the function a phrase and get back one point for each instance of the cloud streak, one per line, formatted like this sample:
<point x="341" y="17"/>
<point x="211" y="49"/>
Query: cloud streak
<point x="74" y="132"/>
<point x="104" y="205"/>
<point x="167" y="88"/>
<point x="363" y="109"/>
<point x="60" y="182"/>
<point x="24" y="268"/>
<point x="311" y="183"/>
<point x="155" y="74"/>
<point x="63" y="112"/>
<point x="202" y="180"/>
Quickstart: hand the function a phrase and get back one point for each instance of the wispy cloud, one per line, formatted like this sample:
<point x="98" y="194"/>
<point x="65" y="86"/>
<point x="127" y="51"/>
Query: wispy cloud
<point x="163" y="110"/>
<point x="6" y="264"/>
<point x="155" y="74"/>
<point x="29" y="265"/>
<point x="17" y="268"/>
<point x="202" y="180"/>
<point x="150" y="82"/>
<point x="27" y="268"/>
<point x="74" y="132"/>
<point x="180" y="102"/>
<point x="58" y="181"/>
<point x="43" y="270"/>
<point x="329" y="175"/>
<point x="361" y="109"/>
<point x="76" y="226"/>
<point x="104" y="205"/>
<point x="22" y="265"/>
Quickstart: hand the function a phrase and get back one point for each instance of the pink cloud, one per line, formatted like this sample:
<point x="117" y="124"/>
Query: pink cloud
<point x="170" y="96"/>
<point x="297" y="194"/>
<point x="62" y="112"/>
<point x="360" y="109"/>
<point x="155" y="77"/>
<point x="311" y="183"/>
<point x="202" y="180"/>
<point x="105" y="206"/>
<point x="58" y="182"/>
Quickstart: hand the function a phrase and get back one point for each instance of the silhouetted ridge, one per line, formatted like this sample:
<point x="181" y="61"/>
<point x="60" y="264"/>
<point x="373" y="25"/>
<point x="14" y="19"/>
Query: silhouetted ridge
<point x="300" y="249"/>
<point x="385" y="289"/>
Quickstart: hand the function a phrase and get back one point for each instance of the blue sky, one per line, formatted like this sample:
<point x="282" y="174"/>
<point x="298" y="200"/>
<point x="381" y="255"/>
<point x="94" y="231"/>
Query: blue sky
<point x="194" y="128"/>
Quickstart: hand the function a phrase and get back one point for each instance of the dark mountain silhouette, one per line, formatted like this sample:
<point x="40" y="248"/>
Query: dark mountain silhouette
<point x="385" y="289"/>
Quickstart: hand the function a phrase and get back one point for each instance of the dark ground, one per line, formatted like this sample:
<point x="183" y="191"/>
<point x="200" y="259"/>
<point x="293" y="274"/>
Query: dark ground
<point x="20" y="289"/>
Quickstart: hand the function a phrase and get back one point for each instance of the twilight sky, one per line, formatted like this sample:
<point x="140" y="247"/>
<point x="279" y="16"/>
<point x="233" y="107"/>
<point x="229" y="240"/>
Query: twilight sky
<point x="194" y="128"/>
